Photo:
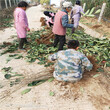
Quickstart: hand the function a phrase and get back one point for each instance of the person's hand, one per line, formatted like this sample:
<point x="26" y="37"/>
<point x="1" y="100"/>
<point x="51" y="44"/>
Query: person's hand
<point x="27" y="29"/>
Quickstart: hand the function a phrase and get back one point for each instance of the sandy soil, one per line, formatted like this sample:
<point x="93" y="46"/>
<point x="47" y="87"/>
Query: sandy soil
<point x="91" y="93"/>
<point x="96" y="29"/>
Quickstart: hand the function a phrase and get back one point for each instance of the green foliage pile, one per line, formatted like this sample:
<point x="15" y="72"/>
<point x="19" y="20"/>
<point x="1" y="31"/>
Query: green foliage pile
<point x="39" y="51"/>
<point x="99" y="48"/>
<point x="34" y="49"/>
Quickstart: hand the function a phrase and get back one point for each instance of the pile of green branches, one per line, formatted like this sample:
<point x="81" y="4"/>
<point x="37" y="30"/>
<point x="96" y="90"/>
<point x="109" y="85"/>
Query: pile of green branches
<point x="99" y="48"/>
<point x="34" y="49"/>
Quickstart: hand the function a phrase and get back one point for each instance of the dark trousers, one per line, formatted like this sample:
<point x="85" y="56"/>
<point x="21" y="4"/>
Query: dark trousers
<point x="61" y="40"/>
<point x="21" y="42"/>
<point x="73" y="29"/>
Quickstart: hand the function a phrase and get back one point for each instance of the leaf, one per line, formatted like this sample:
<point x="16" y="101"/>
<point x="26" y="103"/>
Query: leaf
<point x="100" y="70"/>
<point x="41" y="62"/>
<point x="12" y="83"/>
<point x="18" y="57"/>
<point x="75" y="34"/>
<point x="51" y="93"/>
<point x="86" y="13"/>
<point x="92" y="10"/>
<point x="17" y="80"/>
<point x="7" y="69"/>
<point x="98" y="11"/>
<point x="82" y="13"/>
<point x="51" y="79"/>
<point x="25" y="91"/>
<point x="13" y="55"/>
<point x="7" y="76"/>
<point x="96" y="75"/>
<point x="36" y="83"/>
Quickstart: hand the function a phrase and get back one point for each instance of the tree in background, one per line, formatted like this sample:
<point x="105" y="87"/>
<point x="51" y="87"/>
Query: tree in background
<point x="96" y="3"/>
<point x="107" y="11"/>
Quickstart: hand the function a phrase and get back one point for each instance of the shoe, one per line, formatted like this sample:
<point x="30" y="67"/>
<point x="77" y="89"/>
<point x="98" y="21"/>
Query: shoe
<point x="22" y="50"/>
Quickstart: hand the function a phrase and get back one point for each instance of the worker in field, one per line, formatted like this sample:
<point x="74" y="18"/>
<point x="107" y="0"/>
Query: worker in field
<point x="70" y="64"/>
<point x="76" y="14"/>
<point x="60" y="25"/>
<point x="21" y="23"/>
<point x="50" y="18"/>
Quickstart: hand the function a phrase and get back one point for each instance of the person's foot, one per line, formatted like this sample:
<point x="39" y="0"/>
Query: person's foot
<point x="22" y="50"/>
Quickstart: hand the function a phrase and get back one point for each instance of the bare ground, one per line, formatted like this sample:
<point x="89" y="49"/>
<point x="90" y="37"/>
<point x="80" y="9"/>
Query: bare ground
<point x="102" y="29"/>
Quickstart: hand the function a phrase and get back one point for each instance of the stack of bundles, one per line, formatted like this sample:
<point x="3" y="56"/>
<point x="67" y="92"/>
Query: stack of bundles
<point x="43" y="21"/>
<point x="45" y="39"/>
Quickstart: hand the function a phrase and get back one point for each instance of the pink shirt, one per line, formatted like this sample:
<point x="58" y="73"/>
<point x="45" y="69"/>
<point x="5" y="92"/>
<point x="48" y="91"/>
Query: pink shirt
<point x="76" y="14"/>
<point x="21" y="22"/>
<point x="57" y="27"/>
<point x="76" y="11"/>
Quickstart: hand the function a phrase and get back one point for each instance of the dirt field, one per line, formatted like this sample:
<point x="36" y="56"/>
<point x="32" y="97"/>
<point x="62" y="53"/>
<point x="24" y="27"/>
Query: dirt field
<point x="103" y="27"/>
<point x="91" y="93"/>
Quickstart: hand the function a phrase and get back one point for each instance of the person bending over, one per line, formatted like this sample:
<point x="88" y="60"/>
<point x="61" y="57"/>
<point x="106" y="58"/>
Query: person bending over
<point x="50" y="19"/>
